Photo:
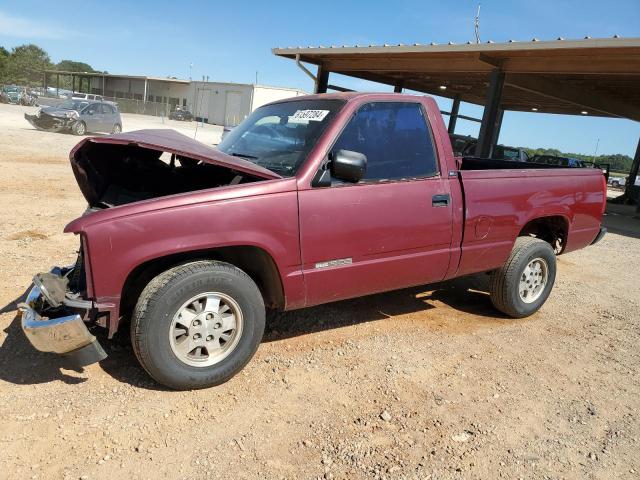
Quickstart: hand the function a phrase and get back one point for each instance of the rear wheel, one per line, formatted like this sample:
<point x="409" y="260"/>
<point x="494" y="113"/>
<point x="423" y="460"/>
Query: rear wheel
<point x="198" y="324"/>
<point x="521" y="286"/>
<point x="79" y="128"/>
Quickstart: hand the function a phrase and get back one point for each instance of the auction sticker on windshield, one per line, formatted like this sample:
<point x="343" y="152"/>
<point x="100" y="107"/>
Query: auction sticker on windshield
<point x="312" y="115"/>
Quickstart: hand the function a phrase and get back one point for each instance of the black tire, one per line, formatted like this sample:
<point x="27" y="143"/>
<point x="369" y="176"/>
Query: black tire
<point x="504" y="282"/>
<point x="163" y="297"/>
<point x="79" y="128"/>
<point x="117" y="128"/>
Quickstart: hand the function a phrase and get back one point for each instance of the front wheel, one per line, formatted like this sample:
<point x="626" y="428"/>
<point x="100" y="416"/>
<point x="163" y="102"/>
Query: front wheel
<point x="198" y="324"/>
<point x="521" y="286"/>
<point x="79" y="128"/>
<point x="116" y="129"/>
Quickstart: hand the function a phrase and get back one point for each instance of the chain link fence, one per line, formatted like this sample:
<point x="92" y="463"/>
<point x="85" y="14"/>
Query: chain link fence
<point x="127" y="105"/>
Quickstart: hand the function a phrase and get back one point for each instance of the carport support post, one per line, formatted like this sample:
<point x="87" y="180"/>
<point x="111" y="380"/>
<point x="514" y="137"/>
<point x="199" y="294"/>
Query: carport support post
<point x="633" y="173"/>
<point x="322" y="80"/>
<point x="453" y="117"/>
<point x="398" y="87"/>
<point x="490" y="115"/>
<point x="496" y="130"/>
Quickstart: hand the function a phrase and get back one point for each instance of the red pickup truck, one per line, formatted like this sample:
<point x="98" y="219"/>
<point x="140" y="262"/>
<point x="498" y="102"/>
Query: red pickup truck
<point x="309" y="200"/>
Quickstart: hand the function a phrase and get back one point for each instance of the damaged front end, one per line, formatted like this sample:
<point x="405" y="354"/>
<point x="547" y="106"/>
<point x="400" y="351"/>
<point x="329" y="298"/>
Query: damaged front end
<point x="51" y="123"/>
<point x="54" y="314"/>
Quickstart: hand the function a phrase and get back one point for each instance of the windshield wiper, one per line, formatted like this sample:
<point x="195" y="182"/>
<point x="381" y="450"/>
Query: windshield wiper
<point x="243" y="155"/>
<point x="276" y="168"/>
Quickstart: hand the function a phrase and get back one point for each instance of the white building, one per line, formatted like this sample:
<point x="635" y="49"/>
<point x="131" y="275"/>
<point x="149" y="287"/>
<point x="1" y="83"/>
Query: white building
<point x="230" y="103"/>
<point x="214" y="102"/>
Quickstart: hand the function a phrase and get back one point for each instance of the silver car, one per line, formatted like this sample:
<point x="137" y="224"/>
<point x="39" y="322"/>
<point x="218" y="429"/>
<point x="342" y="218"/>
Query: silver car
<point x="79" y="117"/>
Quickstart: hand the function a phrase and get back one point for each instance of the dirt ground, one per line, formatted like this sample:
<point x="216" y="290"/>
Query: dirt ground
<point x="424" y="383"/>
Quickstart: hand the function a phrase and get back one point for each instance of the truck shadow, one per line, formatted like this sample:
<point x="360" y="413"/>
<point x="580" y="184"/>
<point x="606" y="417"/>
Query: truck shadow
<point x="467" y="294"/>
<point x="21" y="364"/>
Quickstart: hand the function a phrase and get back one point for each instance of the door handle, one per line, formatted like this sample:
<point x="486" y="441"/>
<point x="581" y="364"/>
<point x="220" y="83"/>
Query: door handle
<point x="440" y="200"/>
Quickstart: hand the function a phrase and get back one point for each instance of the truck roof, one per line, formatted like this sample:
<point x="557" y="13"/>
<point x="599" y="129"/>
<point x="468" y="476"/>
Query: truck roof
<point x="350" y="96"/>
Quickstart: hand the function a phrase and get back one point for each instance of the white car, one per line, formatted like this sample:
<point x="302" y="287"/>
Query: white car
<point x="87" y="96"/>
<point x="617" y="181"/>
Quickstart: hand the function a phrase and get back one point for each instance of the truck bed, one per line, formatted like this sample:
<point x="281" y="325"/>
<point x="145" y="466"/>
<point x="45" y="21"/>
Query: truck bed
<point x="502" y="197"/>
<point x="476" y="163"/>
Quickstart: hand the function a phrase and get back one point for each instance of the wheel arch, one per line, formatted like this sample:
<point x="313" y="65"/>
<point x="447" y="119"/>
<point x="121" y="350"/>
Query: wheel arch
<point x="554" y="229"/>
<point x="254" y="261"/>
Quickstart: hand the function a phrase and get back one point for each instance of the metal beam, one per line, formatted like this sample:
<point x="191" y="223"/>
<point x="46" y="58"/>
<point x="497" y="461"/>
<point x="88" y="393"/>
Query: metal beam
<point x="585" y="99"/>
<point x="612" y="64"/>
<point x="471" y="119"/>
<point x="484" y="148"/>
<point x="495" y="62"/>
<point x="453" y="118"/>
<point x="305" y="69"/>
<point x="322" y="80"/>
<point x="338" y="88"/>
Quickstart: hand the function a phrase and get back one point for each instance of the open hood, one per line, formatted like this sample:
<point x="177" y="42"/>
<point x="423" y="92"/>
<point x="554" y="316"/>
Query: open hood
<point x="128" y="166"/>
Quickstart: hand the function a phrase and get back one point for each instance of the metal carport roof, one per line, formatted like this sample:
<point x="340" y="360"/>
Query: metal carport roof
<point x="597" y="76"/>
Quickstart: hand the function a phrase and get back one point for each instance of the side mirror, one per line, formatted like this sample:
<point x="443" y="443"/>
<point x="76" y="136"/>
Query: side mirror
<point x="348" y="165"/>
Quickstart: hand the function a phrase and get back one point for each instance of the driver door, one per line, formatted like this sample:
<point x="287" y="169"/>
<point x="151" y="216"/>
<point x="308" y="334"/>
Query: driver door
<point x="393" y="229"/>
<point x="92" y="117"/>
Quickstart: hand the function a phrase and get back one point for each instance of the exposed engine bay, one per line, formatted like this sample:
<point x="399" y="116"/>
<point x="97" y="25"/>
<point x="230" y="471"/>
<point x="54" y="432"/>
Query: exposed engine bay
<point x="113" y="174"/>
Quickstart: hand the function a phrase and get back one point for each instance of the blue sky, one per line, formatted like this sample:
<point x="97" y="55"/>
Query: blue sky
<point x="230" y="41"/>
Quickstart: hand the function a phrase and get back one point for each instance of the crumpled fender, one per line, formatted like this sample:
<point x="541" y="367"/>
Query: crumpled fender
<point x="36" y="122"/>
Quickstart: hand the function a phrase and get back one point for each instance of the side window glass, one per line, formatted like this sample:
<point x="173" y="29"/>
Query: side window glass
<point x="92" y="109"/>
<point x="395" y="138"/>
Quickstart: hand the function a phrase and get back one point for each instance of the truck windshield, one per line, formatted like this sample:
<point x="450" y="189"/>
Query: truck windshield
<point x="280" y="136"/>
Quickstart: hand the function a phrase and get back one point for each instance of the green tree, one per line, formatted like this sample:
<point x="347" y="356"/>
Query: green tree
<point x="618" y="162"/>
<point x="72" y="66"/>
<point x="4" y="59"/>
<point x="26" y="65"/>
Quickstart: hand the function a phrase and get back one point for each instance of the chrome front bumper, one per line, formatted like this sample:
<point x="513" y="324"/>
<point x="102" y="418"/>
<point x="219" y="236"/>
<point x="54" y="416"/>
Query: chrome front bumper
<point x="66" y="335"/>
